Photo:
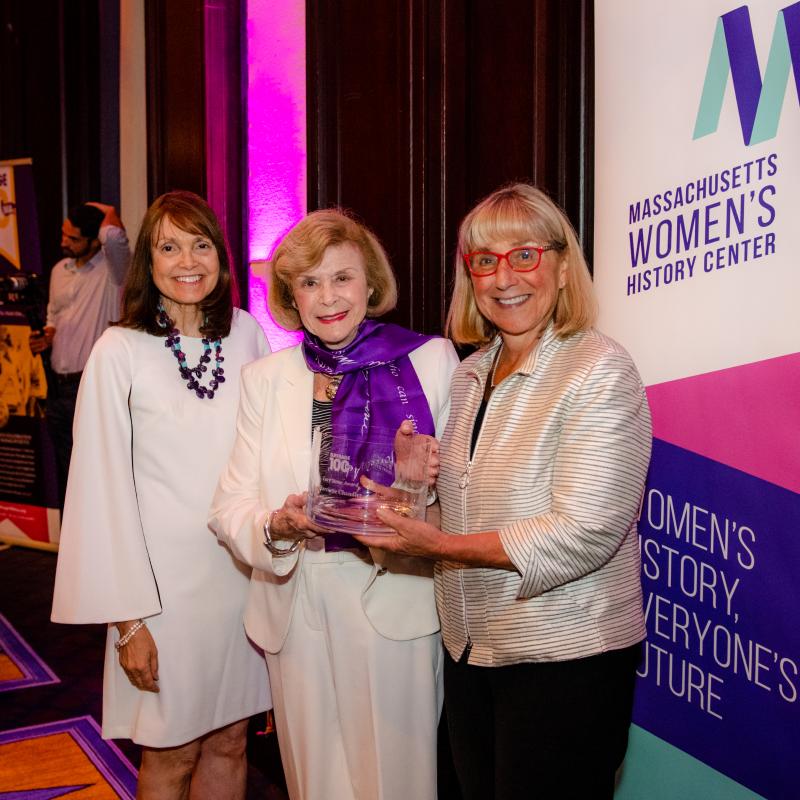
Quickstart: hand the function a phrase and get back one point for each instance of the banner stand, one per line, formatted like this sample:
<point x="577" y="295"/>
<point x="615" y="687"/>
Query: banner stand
<point x="29" y="512"/>
<point x="697" y="179"/>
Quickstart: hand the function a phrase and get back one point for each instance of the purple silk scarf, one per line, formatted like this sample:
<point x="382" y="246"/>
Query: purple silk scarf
<point x="379" y="389"/>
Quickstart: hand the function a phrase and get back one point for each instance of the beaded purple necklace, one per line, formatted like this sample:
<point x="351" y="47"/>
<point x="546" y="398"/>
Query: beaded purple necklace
<point x="193" y="374"/>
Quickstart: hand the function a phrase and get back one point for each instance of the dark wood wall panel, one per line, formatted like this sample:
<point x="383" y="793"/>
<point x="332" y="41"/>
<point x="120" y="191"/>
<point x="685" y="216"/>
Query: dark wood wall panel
<point x="501" y="114"/>
<point x="30" y="124"/>
<point x="418" y="108"/>
<point x="175" y="96"/>
<point x="57" y="105"/>
<point x="194" y="68"/>
<point x="108" y="97"/>
<point x="226" y="145"/>
<point x="81" y="25"/>
<point x="367" y="134"/>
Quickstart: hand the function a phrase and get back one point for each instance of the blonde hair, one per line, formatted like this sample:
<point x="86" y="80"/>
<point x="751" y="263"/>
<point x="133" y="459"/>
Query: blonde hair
<point x="519" y="212"/>
<point x="303" y="248"/>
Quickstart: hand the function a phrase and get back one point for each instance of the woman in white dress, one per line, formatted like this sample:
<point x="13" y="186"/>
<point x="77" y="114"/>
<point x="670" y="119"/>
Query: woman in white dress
<point x="352" y="641"/>
<point x="154" y="425"/>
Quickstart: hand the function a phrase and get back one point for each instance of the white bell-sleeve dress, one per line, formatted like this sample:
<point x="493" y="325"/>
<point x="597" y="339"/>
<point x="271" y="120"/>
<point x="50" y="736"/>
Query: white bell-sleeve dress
<point x="134" y="539"/>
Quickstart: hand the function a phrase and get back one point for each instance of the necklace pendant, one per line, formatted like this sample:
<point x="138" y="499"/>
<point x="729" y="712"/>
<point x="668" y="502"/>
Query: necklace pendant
<point x="333" y="387"/>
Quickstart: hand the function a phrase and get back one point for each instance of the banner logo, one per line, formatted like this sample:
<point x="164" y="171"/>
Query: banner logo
<point x="733" y="52"/>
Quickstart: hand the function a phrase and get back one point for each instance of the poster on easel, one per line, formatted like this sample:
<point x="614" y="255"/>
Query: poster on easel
<point x="28" y="493"/>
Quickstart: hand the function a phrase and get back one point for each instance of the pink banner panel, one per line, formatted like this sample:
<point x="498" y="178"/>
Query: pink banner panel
<point x="738" y="416"/>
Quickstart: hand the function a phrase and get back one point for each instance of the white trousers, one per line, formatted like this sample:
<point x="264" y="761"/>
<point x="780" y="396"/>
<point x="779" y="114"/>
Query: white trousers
<point x="356" y="713"/>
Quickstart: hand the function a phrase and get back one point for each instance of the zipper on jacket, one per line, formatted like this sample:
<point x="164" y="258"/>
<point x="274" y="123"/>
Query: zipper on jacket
<point x="463" y="483"/>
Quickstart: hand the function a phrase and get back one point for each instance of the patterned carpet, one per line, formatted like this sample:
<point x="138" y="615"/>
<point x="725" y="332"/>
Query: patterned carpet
<point x="20" y="667"/>
<point x="63" y="759"/>
<point x="51" y="697"/>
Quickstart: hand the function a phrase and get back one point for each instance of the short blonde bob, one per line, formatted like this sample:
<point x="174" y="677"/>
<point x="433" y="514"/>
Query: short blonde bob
<point x="303" y="248"/>
<point x="519" y="212"/>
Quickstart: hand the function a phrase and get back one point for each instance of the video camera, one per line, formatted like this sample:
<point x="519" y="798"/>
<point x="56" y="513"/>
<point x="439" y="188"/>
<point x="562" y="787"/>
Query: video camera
<point x="25" y="291"/>
<point x="17" y="284"/>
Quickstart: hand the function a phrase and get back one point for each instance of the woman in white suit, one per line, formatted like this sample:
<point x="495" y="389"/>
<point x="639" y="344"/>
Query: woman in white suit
<point x="351" y="636"/>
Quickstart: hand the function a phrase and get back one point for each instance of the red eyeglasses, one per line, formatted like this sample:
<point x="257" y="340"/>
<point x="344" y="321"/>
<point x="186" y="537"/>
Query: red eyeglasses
<point x="520" y="259"/>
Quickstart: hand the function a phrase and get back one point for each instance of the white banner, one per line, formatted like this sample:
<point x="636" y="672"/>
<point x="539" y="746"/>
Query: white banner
<point x="697" y="247"/>
<point x="9" y="238"/>
<point x="697" y="240"/>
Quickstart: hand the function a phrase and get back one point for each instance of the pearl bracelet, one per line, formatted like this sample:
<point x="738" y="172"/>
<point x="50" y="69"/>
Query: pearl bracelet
<point x="132" y="631"/>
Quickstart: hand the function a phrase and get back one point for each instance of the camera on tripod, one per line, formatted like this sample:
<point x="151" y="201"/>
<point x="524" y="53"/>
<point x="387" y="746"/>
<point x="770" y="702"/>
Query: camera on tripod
<point x="24" y="291"/>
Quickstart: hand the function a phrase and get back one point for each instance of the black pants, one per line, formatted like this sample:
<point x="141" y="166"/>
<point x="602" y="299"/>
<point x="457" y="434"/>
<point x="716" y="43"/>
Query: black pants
<point x="61" y="397"/>
<point x="545" y="730"/>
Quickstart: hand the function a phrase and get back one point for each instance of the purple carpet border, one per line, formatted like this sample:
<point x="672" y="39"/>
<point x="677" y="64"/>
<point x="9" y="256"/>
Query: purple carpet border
<point x="105" y="755"/>
<point x="36" y="672"/>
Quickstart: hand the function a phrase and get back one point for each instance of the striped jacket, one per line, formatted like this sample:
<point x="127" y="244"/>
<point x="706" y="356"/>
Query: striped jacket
<point x="559" y="469"/>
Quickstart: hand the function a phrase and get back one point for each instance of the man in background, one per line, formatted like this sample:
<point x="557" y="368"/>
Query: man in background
<point x="85" y="292"/>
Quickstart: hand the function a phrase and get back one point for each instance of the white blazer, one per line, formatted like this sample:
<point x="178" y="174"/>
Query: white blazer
<point x="271" y="460"/>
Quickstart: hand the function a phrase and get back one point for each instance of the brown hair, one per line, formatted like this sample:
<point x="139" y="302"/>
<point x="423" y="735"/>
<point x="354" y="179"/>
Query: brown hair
<point x="303" y="248"/>
<point x="520" y="212"/>
<point x="140" y="298"/>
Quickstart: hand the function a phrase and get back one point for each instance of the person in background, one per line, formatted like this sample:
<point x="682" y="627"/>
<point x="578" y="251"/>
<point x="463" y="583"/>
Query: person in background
<point x="85" y="290"/>
<point x="543" y="464"/>
<point x="154" y="424"/>
<point x="352" y="643"/>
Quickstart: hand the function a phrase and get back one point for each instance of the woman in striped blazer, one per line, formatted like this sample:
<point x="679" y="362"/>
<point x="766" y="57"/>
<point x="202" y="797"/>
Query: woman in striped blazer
<point x="543" y="463"/>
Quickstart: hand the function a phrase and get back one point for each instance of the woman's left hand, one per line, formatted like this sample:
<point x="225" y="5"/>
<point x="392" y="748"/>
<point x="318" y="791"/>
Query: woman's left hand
<point x="139" y="658"/>
<point x="404" y="442"/>
<point x="413" y="537"/>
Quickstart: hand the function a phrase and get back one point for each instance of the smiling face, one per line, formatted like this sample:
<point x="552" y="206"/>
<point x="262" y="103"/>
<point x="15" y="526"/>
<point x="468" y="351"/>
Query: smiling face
<point x="520" y="304"/>
<point x="331" y="298"/>
<point x="185" y="265"/>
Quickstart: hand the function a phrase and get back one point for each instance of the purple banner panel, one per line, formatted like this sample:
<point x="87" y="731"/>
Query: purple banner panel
<point x="720" y="674"/>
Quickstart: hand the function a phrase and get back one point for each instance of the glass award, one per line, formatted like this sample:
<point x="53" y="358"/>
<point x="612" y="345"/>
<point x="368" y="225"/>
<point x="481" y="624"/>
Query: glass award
<point x="354" y="475"/>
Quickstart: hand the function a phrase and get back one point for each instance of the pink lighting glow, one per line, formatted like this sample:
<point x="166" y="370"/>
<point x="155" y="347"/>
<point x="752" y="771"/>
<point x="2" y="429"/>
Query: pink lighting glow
<point x="276" y="139"/>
